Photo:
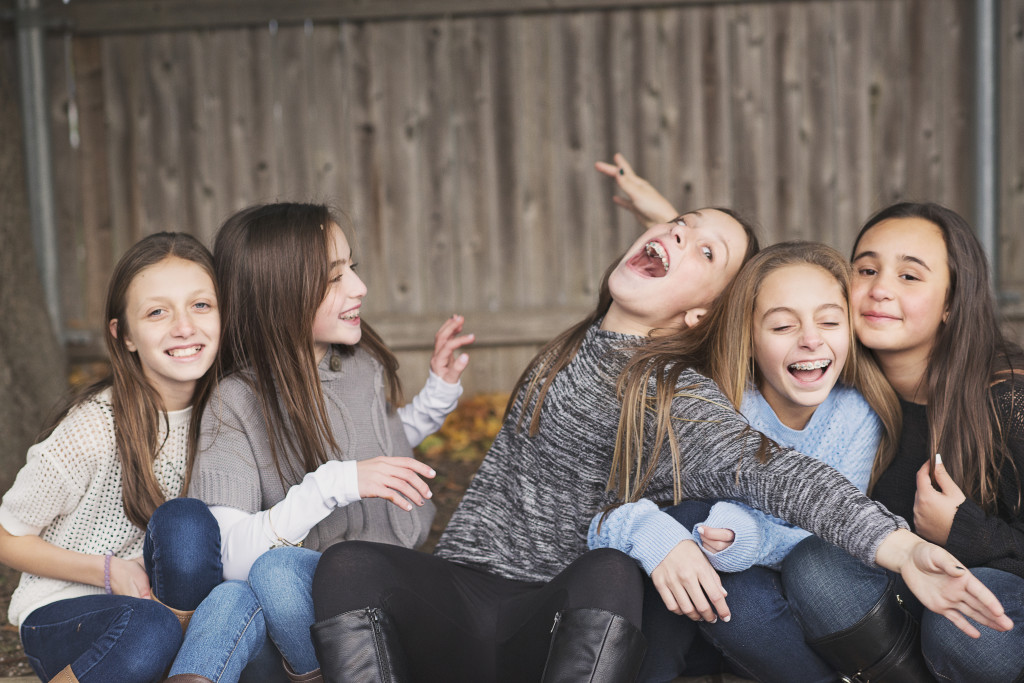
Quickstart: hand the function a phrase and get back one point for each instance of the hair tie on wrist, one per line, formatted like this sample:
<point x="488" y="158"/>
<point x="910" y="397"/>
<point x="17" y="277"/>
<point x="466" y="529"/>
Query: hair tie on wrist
<point x="106" y="571"/>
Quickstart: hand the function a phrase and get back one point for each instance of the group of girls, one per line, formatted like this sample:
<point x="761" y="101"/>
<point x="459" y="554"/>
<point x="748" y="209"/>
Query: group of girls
<point x="294" y="442"/>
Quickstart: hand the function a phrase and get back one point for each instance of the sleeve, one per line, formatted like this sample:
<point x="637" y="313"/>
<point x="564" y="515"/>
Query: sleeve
<point x="58" y="470"/>
<point x="640" y="530"/>
<point x="977" y="538"/>
<point x="245" y="536"/>
<point x="225" y="470"/>
<point x="752" y="529"/>
<point x="719" y="459"/>
<point x="428" y="409"/>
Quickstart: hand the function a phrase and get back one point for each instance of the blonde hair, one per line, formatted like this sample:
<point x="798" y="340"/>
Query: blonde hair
<point x="721" y="347"/>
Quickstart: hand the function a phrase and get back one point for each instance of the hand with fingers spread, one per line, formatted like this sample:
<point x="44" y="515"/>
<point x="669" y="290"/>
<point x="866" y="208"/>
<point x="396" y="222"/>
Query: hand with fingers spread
<point x="649" y="205"/>
<point x="716" y="540"/>
<point x="934" y="509"/>
<point x="941" y="583"/>
<point x="395" y="479"/>
<point x="689" y="585"/>
<point x="447" y="341"/>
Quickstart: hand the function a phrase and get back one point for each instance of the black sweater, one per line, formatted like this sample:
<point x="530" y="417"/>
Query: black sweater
<point x="976" y="538"/>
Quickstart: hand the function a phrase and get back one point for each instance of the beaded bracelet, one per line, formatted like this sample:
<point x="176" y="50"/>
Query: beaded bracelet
<point x="106" y="571"/>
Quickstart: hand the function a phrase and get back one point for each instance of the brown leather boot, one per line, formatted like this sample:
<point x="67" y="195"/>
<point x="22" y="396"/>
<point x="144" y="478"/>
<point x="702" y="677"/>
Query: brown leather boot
<point x="312" y="677"/>
<point x="188" y="678"/>
<point x="65" y="675"/>
<point x="184" y="616"/>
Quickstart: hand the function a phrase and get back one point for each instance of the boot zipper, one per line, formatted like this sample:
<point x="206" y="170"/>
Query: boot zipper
<point x="378" y="642"/>
<point x="554" y="626"/>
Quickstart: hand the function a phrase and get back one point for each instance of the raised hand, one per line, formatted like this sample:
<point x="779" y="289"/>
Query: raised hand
<point x="396" y="479"/>
<point x="444" y="363"/>
<point x="649" y="205"/>
<point x="687" y="582"/>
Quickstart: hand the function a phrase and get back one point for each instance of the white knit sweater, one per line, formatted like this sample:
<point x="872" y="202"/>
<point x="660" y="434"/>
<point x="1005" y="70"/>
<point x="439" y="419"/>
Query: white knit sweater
<point x="69" y="493"/>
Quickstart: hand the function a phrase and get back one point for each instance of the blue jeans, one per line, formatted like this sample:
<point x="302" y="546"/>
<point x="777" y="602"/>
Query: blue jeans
<point x="282" y="580"/>
<point x="762" y="637"/>
<point x="227" y="639"/>
<point x="829" y="590"/>
<point x="115" y="637"/>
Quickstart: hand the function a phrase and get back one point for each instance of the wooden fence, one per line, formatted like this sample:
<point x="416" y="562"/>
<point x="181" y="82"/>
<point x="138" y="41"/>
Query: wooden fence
<point x="461" y="144"/>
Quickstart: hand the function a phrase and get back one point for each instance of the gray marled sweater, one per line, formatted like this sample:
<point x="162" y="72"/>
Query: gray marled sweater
<point x="526" y="514"/>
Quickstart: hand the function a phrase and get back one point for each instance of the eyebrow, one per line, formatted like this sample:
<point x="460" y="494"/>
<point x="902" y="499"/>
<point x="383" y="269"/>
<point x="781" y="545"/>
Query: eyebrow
<point x="902" y="257"/>
<point x="787" y="309"/>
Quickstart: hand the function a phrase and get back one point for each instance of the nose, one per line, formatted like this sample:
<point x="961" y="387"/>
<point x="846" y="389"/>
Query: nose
<point x="358" y="287"/>
<point x="879" y="290"/>
<point x="678" y="233"/>
<point x="810" y="339"/>
<point x="183" y="325"/>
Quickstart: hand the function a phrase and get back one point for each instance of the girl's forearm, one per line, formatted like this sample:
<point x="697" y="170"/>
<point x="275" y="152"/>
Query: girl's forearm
<point x="33" y="555"/>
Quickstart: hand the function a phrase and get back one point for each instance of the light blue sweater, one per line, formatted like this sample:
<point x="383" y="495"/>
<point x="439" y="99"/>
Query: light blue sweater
<point x="843" y="432"/>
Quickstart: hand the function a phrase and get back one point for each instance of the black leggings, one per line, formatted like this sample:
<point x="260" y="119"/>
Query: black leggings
<point x="457" y="623"/>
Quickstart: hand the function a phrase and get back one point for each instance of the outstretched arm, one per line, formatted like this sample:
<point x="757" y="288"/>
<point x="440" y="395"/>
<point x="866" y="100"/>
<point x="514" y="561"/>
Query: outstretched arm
<point x="648" y="205"/>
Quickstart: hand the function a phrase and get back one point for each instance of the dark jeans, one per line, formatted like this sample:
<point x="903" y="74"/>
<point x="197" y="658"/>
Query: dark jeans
<point x="829" y="590"/>
<point x="457" y="623"/>
<point x="117" y="638"/>
<point x="762" y="640"/>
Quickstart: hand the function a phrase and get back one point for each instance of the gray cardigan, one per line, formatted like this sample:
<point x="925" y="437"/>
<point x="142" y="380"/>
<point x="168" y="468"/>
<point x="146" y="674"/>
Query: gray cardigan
<point x="234" y="468"/>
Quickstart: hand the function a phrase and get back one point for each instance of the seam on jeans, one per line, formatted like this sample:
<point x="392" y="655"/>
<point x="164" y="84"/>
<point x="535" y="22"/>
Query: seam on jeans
<point x="931" y="667"/>
<point x="232" y="653"/>
<point x="124" y="609"/>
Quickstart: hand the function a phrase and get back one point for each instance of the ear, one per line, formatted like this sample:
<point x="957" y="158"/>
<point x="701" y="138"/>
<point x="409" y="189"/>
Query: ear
<point x="693" y="316"/>
<point x="113" y="333"/>
<point x="945" y="315"/>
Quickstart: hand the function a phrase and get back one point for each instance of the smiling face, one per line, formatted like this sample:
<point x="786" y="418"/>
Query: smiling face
<point x="900" y="289"/>
<point x="337" y="318"/>
<point x="674" y="271"/>
<point x="801" y="340"/>
<point x="173" y="324"/>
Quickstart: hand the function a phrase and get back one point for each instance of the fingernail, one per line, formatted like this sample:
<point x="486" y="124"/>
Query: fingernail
<point x="938" y="459"/>
<point x="959" y="567"/>
<point x="430" y="494"/>
<point x="700" y="530"/>
<point x="622" y="171"/>
<point x="714" y="621"/>
<point x="408" y="508"/>
<point x="727" y="618"/>
<point x="726" y="594"/>
<point x="433" y="473"/>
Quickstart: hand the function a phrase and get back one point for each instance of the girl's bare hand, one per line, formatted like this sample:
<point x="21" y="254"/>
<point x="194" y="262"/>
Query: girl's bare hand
<point x="649" y="205"/>
<point x="689" y="585"/>
<point x="395" y="479"/>
<point x="447" y="341"/>
<point x="128" y="577"/>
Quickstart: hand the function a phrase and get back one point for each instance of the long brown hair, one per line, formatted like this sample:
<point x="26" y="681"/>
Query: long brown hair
<point x="560" y="351"/>
<point x="721" y="347"/>
<point x="732" y="356"/>
<point x="137" y="406"/>
<point x="969" y="355"/>
<point x="272" y="268"/>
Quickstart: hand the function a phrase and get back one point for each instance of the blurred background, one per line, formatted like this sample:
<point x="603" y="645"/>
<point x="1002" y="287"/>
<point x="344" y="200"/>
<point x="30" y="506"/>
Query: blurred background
<point x="459" y="137"/>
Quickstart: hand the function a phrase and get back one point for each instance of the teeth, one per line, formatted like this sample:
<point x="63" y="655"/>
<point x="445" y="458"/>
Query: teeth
<point x="190" y="351"/>
<point x="350" y="316"/>
<point x="811" y="365"/>
<point x="657" y="251"/>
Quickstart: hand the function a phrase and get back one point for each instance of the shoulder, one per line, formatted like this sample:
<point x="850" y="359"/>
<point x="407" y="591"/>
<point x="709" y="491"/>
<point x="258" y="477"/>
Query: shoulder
<point x="846" y="400"/>
<point x="90" y="419"/>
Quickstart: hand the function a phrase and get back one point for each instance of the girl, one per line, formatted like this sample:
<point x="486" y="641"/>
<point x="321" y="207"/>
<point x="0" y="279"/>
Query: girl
<point x="784" y="341"/>
<point x="73" y="521"/>
<point x="922" y="303"/>
<point x="300" y="443"/>
<point x="510" y="568"/>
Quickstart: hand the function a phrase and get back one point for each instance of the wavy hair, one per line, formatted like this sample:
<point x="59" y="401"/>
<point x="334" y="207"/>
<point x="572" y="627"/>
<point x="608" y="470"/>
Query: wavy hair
<point x="969" y="355"/>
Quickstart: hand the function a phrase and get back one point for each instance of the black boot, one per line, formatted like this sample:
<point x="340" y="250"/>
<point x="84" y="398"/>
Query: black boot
<point x="593" y="645"/>
<point x="360" y="645"/>
<point x="883" y="647"/>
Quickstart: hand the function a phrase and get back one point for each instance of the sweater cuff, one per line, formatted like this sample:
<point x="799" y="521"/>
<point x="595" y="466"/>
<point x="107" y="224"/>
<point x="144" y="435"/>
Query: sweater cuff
<point x="439" y="392"/>
<point x="743" y="552"/>
<point x="655" y="535"/>
<point x="964" y="532"/>
<point x="16" y="527"/>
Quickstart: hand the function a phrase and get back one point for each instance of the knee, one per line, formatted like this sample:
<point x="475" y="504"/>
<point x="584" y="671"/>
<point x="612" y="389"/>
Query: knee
<point x="155" y="630"/>
<point x="807" y="568"/>
<point x="231" y="597"/>
<point x="690" y="512"/>
<point x="353" y="560"/>
<point x="283" y="571"/>
<point x="186" y="516"/>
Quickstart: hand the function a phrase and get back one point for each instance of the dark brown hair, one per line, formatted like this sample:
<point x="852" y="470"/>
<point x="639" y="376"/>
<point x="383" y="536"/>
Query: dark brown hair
<point x="970" y="354"/>
<point x="137" y="406"/>
<point x="272" y="268"/>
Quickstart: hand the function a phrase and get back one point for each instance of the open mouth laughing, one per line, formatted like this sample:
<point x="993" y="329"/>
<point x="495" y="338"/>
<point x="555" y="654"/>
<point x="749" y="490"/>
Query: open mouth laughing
<point x="653" y="260"/>
<point x="810" y="371"/>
